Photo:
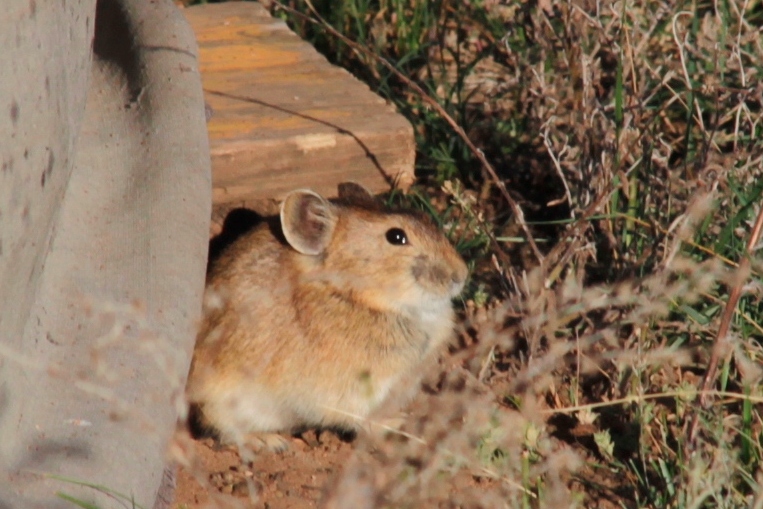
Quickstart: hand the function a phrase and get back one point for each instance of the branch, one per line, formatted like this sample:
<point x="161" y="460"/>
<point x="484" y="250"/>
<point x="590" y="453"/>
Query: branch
<point x="719" y="344"/>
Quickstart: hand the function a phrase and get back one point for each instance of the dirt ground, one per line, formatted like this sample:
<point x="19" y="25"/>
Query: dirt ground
<point x="293" y="479"/>
<point x="308" y="475"/>
<point x="305" y="476"/>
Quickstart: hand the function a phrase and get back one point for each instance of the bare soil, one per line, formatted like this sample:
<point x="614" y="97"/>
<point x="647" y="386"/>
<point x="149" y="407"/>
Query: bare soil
<point x="293" y="479"/>
<point x="303" y="477"/>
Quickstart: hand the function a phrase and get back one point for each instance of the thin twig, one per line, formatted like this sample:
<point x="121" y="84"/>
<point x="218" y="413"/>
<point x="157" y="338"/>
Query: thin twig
<point x="558" y="166"/>
<point x="719" y="344"/>
<point x="682" y="394"/>
<point x="515" y="208"/>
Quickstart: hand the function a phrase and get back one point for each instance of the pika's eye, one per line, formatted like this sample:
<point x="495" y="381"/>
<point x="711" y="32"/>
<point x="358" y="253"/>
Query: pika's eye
<point x="396" y="237"/>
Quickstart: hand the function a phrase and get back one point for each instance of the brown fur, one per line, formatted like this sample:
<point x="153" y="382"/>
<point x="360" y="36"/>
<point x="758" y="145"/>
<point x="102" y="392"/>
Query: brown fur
<point x="315" y="331"/>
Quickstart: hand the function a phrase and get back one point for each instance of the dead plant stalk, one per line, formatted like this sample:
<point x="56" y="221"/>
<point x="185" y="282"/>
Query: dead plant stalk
<point x="719" y="344"/>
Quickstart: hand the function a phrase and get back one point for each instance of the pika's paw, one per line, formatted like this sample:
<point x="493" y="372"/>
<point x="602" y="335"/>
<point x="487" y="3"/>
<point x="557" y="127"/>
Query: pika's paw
<point x="259" y="442"/>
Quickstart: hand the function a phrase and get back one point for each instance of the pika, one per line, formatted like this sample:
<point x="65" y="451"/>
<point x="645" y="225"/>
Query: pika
<point x="314" y="315"/>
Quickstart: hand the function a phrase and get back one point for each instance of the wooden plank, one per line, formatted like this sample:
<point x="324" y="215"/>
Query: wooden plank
<point x="283" y="117"/>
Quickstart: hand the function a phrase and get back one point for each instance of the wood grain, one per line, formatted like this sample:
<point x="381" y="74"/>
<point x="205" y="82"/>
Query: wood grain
<point x="283" y="117"/>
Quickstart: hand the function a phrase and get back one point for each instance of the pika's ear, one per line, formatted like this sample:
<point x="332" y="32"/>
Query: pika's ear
<point x="308" y="221"/>
<point x="355" y="194"/>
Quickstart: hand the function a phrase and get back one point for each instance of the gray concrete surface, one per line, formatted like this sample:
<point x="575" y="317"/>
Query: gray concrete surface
<point x="104" y="213"/>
